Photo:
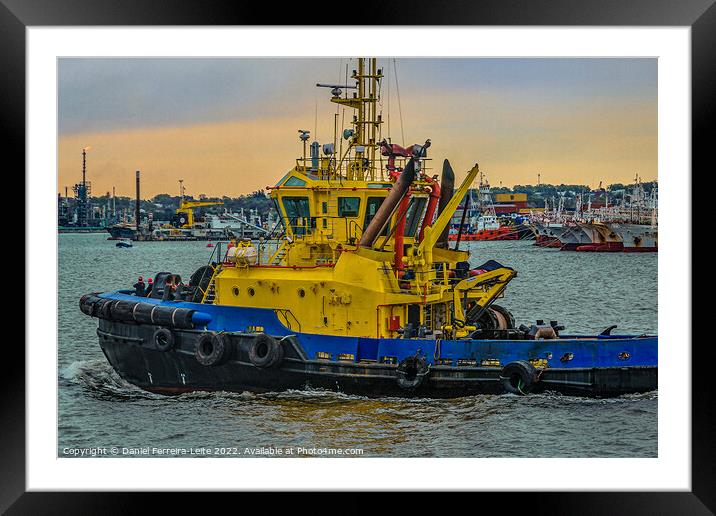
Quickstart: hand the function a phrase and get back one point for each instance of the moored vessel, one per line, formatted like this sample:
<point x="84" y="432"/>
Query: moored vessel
<point x="603" y="238"/>
<point x="572" y="237"/>
<point x="482" y="223"/>
<point x="363" y="293"/>
<point x="637" y="238"/>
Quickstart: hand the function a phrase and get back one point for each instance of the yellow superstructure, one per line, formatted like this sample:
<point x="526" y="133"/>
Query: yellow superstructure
<point x="341" y="268"/>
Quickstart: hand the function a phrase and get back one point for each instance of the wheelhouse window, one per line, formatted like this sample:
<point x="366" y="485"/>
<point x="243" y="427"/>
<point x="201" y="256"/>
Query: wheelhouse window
<point x="348" y="206"/>
<point x="294" y="181"/>
<point x="371" y="208"/>
<point x="298" y="214"/>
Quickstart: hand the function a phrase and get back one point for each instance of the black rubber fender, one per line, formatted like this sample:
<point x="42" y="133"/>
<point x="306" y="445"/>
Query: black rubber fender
<point x="142" y="313"/>
<point x="212" y="349"/>
<point x="105" y="308"/>
<point x="412" y="371"/>
<point x="163" y="339"/>
<point x="519" y="377"/>
<point x="137" y="311"/>
<point x="162" y="315"/>
<point x="89" y="304"/>
<point x="182" y="318"/>
<point x="172" y="316"/>
<point x="122" y="310"/>
<point x="265" y="351"/>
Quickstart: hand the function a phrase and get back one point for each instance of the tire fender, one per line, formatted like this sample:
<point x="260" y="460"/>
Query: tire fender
<point x="163" y="339"/>
<point x="265" y="351"/>
<point x="412" y="371"/>
<point x="212" y="349"/>
<point x="519" y="377"/>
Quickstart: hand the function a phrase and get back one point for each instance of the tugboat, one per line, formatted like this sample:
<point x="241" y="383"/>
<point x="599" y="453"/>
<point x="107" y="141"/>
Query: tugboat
<point x="364" y="295"/>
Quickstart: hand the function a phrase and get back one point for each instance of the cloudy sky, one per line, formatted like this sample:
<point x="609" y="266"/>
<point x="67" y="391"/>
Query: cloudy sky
<point x="229" y="126"/>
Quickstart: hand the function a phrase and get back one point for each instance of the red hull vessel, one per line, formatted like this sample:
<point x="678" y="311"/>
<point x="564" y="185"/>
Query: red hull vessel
<point x="503" y="233"/>
<point x="546" y="241"/>
<point x="613" y="247"/>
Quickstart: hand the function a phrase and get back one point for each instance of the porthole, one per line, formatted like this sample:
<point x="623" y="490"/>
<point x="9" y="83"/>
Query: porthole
<point x="251" y="291"/>
<point x="235" y="290"/>
<point x="301" y="292"/>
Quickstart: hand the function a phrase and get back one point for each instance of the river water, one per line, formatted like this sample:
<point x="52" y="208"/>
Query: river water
<point x="584" y="291"/>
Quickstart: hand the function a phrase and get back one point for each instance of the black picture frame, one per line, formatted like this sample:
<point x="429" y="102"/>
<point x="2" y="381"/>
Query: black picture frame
<point x="700" y="15"/>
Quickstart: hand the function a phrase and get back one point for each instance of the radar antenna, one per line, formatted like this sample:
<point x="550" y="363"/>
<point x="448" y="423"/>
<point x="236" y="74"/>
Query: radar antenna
<point x="336" y="88"/>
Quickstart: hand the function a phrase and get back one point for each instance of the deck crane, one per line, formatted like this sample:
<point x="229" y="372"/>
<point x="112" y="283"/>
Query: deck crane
<point x="184" y="217"/>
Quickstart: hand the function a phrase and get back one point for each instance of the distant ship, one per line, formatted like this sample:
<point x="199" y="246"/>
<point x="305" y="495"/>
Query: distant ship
<point x="482" y="223"/>
<point x="626" y="227"/>
<point x="122" y="230"/>
<point x="184" y="226"/>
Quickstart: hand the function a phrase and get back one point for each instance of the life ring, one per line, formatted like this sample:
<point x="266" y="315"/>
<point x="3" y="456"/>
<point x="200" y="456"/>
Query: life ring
<point x="211" y="349"/>
<point x="519" y="377"/>
<point x="412" y="371"/>
<point x="265" y="351"/>
<point x="163" y="339"/>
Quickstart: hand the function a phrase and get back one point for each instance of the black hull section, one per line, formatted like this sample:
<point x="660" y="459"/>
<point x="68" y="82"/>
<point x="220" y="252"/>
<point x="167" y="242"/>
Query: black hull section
<point x="131" y="351"/>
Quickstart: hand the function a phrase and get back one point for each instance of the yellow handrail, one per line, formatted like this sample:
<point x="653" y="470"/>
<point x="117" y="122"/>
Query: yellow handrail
<point x="205" y="293"/>
<point x="278" y="250"/>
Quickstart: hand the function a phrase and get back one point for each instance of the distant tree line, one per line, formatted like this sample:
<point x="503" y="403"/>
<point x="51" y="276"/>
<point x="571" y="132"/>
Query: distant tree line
<point x="163" y="206"/>
<point x="536" y="194"/>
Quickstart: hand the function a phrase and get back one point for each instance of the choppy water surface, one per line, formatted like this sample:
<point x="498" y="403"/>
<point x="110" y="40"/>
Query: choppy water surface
<point x="584" y="291"/>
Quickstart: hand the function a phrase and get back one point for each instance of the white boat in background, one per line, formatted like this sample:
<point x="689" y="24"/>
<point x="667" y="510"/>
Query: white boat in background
<point x="637" y="237"/>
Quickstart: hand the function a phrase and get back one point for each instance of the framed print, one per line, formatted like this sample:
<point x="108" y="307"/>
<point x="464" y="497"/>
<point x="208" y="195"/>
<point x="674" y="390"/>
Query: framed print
<point x="425" y="249"/>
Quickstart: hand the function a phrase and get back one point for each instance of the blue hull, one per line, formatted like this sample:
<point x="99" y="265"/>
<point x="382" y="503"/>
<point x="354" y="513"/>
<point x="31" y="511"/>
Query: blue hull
<point x="590" y="365"/>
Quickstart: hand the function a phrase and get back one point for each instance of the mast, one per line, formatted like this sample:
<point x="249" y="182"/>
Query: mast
<point x="366" y="120"/>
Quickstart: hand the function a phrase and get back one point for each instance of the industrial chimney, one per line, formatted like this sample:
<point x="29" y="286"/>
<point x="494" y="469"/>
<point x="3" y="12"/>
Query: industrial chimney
<point x="136" y="208"/>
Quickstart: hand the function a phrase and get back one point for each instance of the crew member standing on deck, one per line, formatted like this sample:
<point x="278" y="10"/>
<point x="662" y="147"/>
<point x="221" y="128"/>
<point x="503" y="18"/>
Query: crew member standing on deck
<point x="139" y="287"/>
<point x="150" y="286"/>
